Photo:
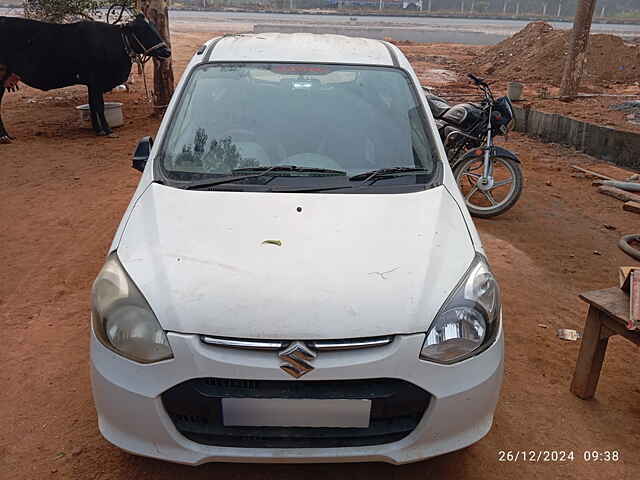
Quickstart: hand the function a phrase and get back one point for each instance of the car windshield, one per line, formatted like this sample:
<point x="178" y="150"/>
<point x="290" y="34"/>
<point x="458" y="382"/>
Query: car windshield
<point x="344" y="119"/>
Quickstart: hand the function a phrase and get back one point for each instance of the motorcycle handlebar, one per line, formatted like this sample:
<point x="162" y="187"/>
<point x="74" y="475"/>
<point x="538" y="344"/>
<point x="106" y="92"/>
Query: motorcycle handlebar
<point x="476" y="80"/>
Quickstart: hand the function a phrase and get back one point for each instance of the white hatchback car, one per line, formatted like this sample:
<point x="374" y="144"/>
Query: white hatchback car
<point x="297" y="277"/>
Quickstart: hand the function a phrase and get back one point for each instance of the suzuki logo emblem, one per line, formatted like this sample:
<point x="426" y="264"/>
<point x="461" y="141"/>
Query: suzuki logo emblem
<point x="296" y="359"/>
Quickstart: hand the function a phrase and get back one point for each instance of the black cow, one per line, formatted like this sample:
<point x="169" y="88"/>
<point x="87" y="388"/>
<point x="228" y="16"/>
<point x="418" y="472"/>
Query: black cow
<point x="47" y="56"/>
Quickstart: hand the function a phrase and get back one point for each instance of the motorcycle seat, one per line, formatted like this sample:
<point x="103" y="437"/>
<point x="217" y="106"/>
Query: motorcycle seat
<point x="439" y="106"/>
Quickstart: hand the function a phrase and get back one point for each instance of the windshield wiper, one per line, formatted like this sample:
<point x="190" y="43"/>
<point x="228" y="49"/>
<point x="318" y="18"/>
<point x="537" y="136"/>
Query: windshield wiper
<point x="292" y="168"/>
<point x="309" y="189"/>
<point x="375" y="175"/>
<point x="263" y="172"/>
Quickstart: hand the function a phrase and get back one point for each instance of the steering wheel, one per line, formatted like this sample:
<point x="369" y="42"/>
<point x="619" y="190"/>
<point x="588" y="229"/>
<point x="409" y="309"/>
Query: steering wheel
<point x="239" y="132"/>
<point x="313" y="160"/>
<point x="239" y="135"/>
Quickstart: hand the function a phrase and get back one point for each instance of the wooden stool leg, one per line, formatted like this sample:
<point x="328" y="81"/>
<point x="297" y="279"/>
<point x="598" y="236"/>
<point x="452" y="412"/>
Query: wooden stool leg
<point x="590" y="358"/>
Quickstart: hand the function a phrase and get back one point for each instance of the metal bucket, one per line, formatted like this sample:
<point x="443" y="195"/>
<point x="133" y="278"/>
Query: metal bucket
<point x="514" y="91"/>
<point x="112" y="113"/>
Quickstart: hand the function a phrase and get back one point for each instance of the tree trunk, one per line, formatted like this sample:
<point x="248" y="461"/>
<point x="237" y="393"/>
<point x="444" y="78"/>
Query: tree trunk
<point x="157" y="12"/>
<point x="577" y="57"/>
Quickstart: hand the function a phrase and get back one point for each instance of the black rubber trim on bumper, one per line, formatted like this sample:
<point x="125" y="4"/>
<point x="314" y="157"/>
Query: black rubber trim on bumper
<point x="195" y="407"/>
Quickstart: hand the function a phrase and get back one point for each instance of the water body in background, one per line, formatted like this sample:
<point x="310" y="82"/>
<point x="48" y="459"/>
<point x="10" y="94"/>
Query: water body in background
<point x="419" y="29"/>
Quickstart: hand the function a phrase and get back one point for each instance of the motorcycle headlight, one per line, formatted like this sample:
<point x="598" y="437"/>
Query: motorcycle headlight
<point x="468" y="321"/>
<point x="122" y="319"/>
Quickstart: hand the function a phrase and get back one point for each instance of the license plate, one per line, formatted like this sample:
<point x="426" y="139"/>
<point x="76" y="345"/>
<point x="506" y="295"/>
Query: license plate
<point x="289" y="412"/>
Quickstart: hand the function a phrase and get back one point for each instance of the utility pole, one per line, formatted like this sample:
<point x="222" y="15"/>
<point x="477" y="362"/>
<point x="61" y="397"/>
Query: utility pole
<point x="380" y="5"/>
<point x="506" y="4"/>
<point x="544" y="9"/>
<point x="429" y="6"/>
<point x="157" y="11"/>
<point x="473" y="5"/>
<point x="559" y="10"/>
<point x="462" y="6"/>
<point x="518" y="9"/>
<point x="574" y="64"/>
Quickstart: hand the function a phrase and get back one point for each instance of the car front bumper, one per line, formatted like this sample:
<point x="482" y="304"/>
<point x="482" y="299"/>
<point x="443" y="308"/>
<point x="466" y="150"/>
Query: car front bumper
<point x="131" y="414"/>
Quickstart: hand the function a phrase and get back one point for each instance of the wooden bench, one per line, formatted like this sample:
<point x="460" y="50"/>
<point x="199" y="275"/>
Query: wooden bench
<point x="608" y="315"/>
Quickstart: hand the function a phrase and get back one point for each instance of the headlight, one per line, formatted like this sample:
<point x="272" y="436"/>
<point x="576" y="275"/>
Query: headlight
<point x="122" y="318"/>
<point x="468" y="321"/>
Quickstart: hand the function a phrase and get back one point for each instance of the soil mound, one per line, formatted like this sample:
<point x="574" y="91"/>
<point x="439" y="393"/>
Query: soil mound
<point x="537" y="54"/>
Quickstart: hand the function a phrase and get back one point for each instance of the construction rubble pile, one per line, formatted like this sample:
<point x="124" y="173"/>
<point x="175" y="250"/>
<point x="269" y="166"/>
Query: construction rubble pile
<point x="536" y="54"/>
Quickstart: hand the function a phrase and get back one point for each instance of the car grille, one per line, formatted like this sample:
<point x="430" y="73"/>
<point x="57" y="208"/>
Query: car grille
<point x="195" y="409"/>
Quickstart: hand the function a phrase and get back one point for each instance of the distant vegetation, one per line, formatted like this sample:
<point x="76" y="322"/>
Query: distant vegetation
<point x="538" y="7"/>
<point x="60" y="10"/>
<point x="629" y="9"/>
<point x="548" y="8"/>
<point x="65" y="10"/>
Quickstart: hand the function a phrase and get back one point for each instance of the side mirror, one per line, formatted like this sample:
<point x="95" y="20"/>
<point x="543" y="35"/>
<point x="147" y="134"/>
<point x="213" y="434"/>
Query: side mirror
<point x="141" y="155"/>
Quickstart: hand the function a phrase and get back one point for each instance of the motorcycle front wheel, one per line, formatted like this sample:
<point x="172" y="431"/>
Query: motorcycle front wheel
<point x="485" y="201"/>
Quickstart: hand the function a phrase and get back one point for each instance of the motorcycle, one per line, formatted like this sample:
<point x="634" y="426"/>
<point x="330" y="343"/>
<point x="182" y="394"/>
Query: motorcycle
<point x="489" y="177"/>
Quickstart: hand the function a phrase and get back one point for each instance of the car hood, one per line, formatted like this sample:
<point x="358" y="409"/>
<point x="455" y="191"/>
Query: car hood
<point x="295" y="266"/>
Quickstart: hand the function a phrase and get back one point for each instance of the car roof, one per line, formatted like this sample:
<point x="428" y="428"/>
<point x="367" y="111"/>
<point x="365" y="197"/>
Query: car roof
<point x="300" y="47"/>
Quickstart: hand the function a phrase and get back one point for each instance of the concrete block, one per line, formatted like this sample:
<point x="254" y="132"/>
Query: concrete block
<point x="609" y="144"/>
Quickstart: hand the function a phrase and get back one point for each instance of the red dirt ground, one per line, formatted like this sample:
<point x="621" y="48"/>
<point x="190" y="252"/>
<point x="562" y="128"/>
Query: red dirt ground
<point x="63" y="192"/>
